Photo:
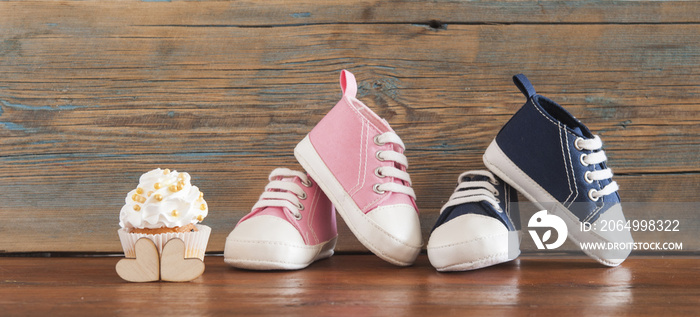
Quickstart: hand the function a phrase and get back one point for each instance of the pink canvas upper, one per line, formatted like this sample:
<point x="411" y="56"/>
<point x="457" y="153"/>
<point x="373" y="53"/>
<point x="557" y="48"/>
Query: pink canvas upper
<point x="344" y="139"/>
<point x="317" y="224"/>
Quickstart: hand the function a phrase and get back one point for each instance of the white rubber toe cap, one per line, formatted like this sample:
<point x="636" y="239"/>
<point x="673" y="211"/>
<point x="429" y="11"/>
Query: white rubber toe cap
<point x="399" y="221"/>
<point x="471" y="241"/>
<point x="265" y="243"/>
<point x="397" y="236"/>
<point x="616" y="255"/>
<point x="266" y="228"/>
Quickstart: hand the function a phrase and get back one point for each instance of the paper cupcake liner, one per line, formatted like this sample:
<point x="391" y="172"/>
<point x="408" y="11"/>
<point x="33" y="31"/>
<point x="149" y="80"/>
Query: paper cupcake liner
<point x="195" y="242"/>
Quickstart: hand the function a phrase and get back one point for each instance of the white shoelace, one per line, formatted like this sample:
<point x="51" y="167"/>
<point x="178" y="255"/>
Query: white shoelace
<point x="392" y="171"/>
<point x="283" y="194"/>
<point x="597" y="157"/>
<point x="469" y="191"/>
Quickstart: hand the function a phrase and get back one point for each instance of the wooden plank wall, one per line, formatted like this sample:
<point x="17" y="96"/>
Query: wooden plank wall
<point x="94" y="93"/>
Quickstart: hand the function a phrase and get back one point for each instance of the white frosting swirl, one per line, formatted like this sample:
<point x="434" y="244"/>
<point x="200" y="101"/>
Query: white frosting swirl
<point x="163" y="199"/>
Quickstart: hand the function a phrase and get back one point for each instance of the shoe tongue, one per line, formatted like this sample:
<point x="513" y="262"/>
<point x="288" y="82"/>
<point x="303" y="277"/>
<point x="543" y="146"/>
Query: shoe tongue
<point x="278" y="211"/>
<point x="475" y="178"/>
<point x="582" y="131"/>
<point x="577" y="130"/>
<point x="396" y="148"/>
<point x="478" y="178"/>
<point x="290" y="179"/>
<point x="273" y="211"/>
<point x="587" y="133"/>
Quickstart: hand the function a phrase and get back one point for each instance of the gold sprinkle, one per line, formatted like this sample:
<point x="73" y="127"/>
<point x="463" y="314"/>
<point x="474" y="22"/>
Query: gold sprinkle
<point x="180" y="186"/>
<point x="150" y="193"/>
<point x="156" y="185"/>
<point x="173" y="188"/>
<point x="201" y="195"/>
<point x="166" y="171"/>
<point x="139" y="190"/>
<point x="142" y="199"/>
<point x="158" y="197"/>
<point x="200" y="217"/>
<point x="137" y="207"/>
<point x="135" y="197"/>
<point x="175" y="213"/>
<point x="203" y="207"/>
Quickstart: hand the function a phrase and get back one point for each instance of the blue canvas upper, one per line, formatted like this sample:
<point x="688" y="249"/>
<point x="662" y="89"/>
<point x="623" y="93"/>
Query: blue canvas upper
<point x="539" y="139"/>
<point x="508" y="197"/>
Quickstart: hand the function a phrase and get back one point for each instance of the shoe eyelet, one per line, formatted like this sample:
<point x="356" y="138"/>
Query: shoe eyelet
<point x="496" y="182"/>
<point x="376" y="140"/>
<point x="587" y="178"/>
<point x="576" y="145"/>
<point x="308" y="183"/>
<point x="376" y="189"/>
<point x="300" y="206"/>
<point x="581" y="158"/>
<point x="378" y="172"/>
<point x="496" y="193"/>
<point x="591" y="193"/>
<point x="298" y="217"/>
<point x="378" y="156"/>
<point x="302" y="196"/>
<point x="498" y="200"/>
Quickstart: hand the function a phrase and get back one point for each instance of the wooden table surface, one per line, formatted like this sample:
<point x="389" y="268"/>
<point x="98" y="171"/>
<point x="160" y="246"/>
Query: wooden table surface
<point x="356" y="285"/>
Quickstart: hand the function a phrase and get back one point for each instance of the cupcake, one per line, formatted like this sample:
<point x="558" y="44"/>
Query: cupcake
<point x="165" y="205"/>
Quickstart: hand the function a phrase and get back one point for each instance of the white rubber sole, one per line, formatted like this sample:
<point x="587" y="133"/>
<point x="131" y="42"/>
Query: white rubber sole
<point x="471" y="242"/>
<point x="265" y="255"/>
<point x="369" y="233"/>
<point x="468" y="262"/>
<point x="499" y="163"/>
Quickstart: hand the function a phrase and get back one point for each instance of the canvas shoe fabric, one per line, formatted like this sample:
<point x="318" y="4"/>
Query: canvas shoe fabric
<point x="479" y="226"/>
<point x="558" y="163"/>
<point x="358" y="160"/>
<point x="292" y="225"/>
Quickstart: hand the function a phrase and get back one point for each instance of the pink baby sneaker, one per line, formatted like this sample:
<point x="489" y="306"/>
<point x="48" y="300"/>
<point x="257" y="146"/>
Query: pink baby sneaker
<point x="291" y="226"/>
<point x="358" y="161"/>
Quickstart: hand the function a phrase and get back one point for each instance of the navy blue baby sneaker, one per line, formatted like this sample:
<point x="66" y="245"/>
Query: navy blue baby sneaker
<point x="556" y="162"/>
<point x="478" y="227"/>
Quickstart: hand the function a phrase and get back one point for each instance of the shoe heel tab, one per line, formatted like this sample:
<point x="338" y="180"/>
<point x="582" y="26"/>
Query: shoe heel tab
<point x="524" y="85"/>
<point x="348" y="83"/>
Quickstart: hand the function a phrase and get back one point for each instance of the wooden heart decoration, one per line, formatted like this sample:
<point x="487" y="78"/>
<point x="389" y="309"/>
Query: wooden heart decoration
<point x="145" y="267"/>
<point x="174" y="267"/>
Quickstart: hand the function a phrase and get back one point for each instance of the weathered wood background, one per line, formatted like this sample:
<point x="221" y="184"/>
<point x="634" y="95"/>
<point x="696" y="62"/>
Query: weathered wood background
<point x="94" y="93"/>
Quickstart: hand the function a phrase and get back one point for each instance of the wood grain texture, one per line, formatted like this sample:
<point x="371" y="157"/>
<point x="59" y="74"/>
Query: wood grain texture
<point x="92" y="94"/>
<point x="144" y="267"/>
<point x="175" y="267"/>
<point x="361" y="285"/>
<point x="281" y="12"/>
